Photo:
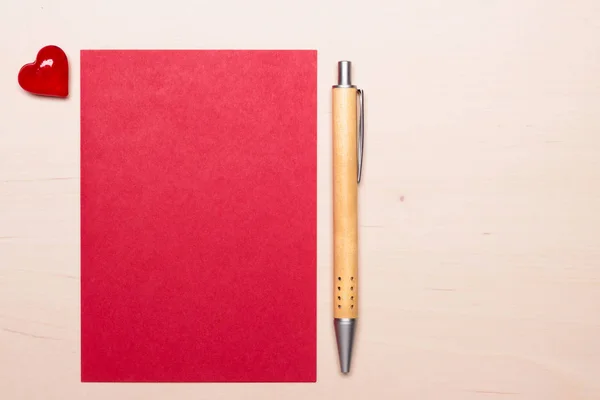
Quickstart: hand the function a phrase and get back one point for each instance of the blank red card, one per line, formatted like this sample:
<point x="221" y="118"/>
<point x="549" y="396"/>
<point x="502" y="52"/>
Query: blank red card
<point x="198" y="216"/>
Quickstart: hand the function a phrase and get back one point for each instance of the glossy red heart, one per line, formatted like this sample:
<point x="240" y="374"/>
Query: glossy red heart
<point x="48" y="75"/>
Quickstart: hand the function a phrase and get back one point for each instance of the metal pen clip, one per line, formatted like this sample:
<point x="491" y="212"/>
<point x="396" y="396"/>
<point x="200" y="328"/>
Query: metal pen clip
<point x="360" y="140"/>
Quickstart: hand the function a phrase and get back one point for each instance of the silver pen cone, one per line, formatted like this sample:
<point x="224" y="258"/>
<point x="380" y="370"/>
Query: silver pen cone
<point x="344" y="334"/>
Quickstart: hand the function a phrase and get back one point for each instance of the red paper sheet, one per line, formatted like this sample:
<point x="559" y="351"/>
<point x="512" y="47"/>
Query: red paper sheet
<point x="198" y="216"/>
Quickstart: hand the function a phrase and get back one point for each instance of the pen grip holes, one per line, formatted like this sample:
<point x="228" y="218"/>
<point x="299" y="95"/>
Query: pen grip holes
<point x="345" y="290"/>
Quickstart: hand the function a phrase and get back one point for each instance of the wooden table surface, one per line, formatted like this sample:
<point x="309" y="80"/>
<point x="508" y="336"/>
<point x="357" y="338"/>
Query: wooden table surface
<point x="479" y="206"/>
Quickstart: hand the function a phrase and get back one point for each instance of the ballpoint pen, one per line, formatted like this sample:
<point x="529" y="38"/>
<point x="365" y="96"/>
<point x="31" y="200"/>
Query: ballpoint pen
<point x="348" y="141"/>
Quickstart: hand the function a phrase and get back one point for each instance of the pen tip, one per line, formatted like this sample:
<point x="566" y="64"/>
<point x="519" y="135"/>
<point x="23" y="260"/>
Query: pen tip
<point x="344" y="334"/>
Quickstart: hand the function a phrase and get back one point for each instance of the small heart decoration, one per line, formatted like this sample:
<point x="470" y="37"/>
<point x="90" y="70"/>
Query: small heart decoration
<point x="48" y="75"/>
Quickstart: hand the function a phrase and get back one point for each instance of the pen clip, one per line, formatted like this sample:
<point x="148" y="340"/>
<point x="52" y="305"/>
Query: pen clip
<point x="361" y="132"/>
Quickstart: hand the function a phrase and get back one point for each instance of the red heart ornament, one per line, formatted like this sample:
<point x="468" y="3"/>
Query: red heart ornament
<point x="48" y="75"/>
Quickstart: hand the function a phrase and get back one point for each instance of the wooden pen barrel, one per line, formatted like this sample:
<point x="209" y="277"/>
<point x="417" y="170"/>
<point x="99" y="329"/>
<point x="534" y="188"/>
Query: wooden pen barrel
<point x="345" y="221"/>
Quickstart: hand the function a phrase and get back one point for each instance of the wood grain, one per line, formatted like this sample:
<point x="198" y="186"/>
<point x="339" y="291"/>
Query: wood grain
<point x="345" y="211"/>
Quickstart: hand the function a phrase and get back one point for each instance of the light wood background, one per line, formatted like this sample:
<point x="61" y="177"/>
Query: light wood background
<point x="479" y="206"/>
